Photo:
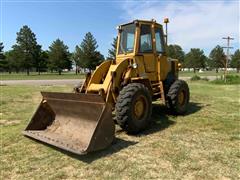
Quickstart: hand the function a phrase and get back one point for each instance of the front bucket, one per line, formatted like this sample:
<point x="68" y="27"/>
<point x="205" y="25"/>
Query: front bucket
<point x="79" y="123"/>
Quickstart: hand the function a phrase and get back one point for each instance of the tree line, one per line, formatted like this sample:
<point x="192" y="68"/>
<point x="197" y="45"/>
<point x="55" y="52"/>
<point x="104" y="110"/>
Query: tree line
<point x="196" y="59"/>
<point x="27" y="55"/>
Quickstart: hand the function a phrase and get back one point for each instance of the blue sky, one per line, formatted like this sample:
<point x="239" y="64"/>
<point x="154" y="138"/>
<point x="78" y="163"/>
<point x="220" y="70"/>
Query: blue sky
<point x="199" y="24"/>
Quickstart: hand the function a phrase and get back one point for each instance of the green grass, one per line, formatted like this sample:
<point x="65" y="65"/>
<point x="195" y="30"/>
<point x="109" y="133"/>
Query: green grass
<point x="42" y="76"/>
<point x="72" y="75"/>
<point x="195" y="78"/>
<point x="230" y="79"/>
<point x="204" y="144"/>
<point x="205" y="73"/>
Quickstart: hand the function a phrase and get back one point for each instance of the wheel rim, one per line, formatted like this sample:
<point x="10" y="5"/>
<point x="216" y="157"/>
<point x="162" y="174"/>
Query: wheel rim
<point x="181" y="98"/>
<point x="139" y="107"/>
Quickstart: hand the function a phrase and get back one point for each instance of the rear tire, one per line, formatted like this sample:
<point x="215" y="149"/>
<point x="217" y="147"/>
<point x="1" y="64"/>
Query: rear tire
<point x="178" y="97"/>
<point x="134" y="108"/>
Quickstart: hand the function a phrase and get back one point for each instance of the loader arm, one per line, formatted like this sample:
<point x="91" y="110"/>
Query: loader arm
<point x="107" y="78"/>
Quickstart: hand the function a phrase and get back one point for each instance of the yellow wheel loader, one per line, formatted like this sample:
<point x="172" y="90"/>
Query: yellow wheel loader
<point x="82" y="122"/>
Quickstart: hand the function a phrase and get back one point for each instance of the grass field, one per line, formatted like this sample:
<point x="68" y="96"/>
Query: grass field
<point x="35" y="76"/>
<point x="203" y="144"/>
<point x="205" y="73"/>
<point x="72" y="75"/>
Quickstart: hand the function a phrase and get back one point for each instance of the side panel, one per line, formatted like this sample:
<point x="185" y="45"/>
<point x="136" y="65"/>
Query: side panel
<point x="150" y="62"/>
<point x="141" y="71"/>
<point x="164" y="66"/>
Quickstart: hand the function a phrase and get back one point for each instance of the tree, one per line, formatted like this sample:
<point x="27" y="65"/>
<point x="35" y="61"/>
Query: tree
<point x="235" y="62"/>
<point x="43" y="60"/>
<point x="14" y="59"/>
<point x="37" y="63"/>
<point x="208" y="63"/>
<point x="175" y="51"/>
<point x="195" y="59"/>
<point x="89" y="56"/>
<point x="28" y="47"/>
<point x="77" y="58"/>
<point x="1" y="51"/>
<point x="112" y="51"/>
<point x="3" y="62"/>
<point x="217" y="58"/>
<point x="59" y="57"/>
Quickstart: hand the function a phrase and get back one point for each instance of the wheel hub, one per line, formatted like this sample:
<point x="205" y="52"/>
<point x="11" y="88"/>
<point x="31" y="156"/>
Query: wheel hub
<point x="181" y="98"/>
<point x="139" y="107"/>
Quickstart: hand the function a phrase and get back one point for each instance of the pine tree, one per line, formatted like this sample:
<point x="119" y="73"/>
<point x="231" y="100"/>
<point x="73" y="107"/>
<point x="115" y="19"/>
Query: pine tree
<point x="3" y="62"/>
<point x="77" y="58"/>
<point x="43" y="60"/>
<point x="89" y="56"/>
<point x="1" y="51"/>
<point x="235" y="62"/>
<point x="195" y="59"/>
<point x="175" y="51"/>
<point x="112" y="51"/>
<point x="217" y="58"/>
<point x="38" y="60"/>
<point x="59" y="57"/>
<point x="30" y="50"/>
<point x="14" y="59"/>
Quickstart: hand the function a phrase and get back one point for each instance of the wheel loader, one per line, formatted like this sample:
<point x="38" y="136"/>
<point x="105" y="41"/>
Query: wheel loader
<point x="82" y="122"/>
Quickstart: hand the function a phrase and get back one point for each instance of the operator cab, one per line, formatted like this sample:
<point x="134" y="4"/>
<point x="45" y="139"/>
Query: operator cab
<point x="143" y="40"/>
<point x="140" y="37"/>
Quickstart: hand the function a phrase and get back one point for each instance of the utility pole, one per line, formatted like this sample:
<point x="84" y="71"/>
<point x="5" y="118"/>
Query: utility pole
<point x="228" y="55"/>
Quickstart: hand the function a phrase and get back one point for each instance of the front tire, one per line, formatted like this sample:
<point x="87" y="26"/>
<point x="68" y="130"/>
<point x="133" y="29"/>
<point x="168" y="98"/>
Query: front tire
<point x="178" y="97"/>
<point x="134" y="108"/>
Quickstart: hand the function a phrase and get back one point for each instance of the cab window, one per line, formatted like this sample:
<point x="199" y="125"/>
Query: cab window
<point x="145" y="39"/>
<point x="127" y="37"/>
<point x="159" y="40"/>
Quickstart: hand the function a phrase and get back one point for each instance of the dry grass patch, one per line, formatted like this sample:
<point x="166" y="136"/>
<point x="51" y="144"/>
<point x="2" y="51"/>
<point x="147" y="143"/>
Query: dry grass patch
<point x="9" y="122"/>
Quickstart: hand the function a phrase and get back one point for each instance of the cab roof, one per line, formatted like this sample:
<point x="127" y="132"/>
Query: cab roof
<point x="142" y="21"/>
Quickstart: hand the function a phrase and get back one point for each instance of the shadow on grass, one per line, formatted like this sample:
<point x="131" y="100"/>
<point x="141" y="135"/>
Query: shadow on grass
<point x="117" y="145"/>
<point x="194" y="107"/>
<point x="161" y="117"/>
<point x="160" y="120"/>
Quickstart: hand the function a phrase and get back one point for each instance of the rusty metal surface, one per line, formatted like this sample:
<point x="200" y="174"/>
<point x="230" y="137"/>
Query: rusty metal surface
<point x="78" y="123"/>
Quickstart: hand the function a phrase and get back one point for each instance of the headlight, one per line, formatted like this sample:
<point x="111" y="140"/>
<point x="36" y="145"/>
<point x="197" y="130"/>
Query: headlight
<point x="134" y="65"/>
<point x="179" y="65"/>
